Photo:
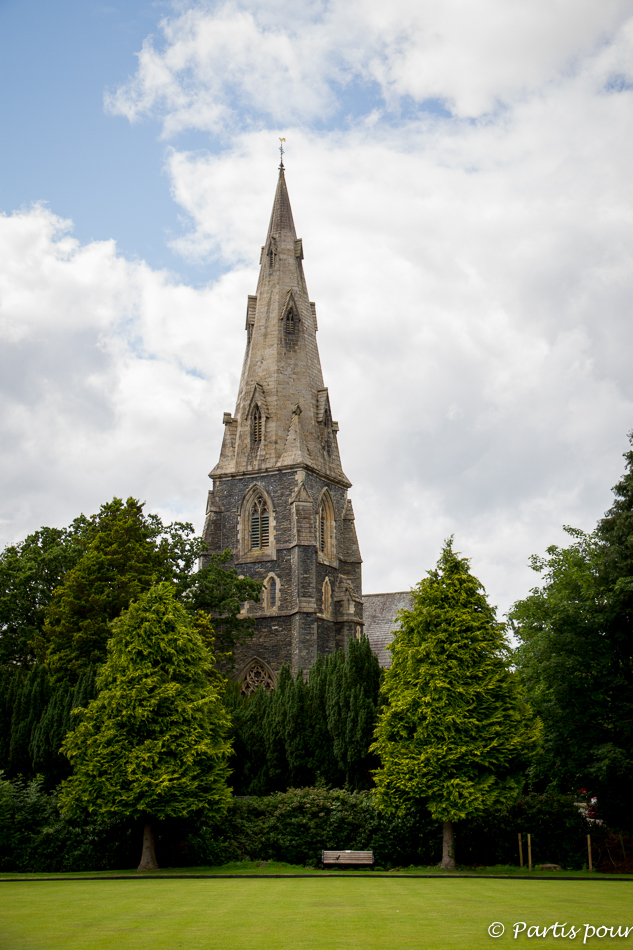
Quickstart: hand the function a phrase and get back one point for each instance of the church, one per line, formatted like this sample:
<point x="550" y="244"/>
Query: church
<point x="280" y="498"/>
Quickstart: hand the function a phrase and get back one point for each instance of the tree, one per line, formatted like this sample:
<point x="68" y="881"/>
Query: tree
<point x="455" y="732"/>
<point x="153" y="743"/>
<point x="313" y="731"/>
<point x="221" y="592"/>
<point x="120" y="563"/>
<point x="29" y="573"/>
<point x="575" y="660"/>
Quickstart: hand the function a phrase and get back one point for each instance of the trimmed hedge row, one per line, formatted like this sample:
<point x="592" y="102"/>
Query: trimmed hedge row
<point x="293" y="826"/>
<point x="296" y="825"/>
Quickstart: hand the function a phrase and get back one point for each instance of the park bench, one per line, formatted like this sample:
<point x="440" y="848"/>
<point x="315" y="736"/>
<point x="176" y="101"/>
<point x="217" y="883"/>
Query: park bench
<point x="347" y="859"/>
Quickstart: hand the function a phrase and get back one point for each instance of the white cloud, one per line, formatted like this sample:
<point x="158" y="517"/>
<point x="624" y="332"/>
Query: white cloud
<point x="111" y="377"/>
<point x="219" y="66"/>
<point x="472" y="278"/>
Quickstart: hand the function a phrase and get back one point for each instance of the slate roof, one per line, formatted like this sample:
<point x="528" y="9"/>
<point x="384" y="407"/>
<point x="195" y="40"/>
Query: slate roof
<point x="379" y="614"/>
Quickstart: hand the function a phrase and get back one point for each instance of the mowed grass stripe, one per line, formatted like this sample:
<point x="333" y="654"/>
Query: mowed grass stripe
<point x="399" y="914"/>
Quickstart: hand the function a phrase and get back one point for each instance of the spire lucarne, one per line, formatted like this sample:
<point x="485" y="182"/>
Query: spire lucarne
<point x="279" y="498"/>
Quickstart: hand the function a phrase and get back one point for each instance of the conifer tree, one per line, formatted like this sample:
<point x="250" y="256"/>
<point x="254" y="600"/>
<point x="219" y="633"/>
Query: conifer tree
<point x="455" y="732"/>
<point x="153" y="744"/>
<point x="120" y="563"/>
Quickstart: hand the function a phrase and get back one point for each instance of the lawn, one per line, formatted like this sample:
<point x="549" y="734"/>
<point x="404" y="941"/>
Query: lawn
<point x="320" y="912"/>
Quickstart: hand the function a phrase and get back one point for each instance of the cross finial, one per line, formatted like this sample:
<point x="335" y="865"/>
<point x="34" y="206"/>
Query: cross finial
<point x="281" y="152"/>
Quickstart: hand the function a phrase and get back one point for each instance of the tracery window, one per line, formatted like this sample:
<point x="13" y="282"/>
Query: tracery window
<point x="260" y="524"/>
<point x="257" y="675"/>
<point x="256" y="425"/>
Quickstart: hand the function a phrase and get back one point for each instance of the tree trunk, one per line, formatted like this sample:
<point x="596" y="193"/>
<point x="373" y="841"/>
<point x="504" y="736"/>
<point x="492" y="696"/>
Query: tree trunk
<point x="148" y="856"/>
<point x="448" y="846"/>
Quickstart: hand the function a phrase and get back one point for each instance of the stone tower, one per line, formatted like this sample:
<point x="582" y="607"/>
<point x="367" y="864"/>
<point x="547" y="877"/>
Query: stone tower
<point x="279" y="498"/>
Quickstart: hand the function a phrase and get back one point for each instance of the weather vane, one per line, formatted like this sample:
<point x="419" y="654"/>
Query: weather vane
<point x="281" y="152"/>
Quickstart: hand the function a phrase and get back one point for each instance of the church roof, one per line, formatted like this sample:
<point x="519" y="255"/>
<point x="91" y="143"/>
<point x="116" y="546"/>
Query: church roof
<point x="282" y="381"/>
<point x="379" y="614"/>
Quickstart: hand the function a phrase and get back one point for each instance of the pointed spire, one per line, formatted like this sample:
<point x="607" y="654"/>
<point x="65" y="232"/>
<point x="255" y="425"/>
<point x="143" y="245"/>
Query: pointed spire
<point x="281" y="217"/>
<point x="282" y="370"/>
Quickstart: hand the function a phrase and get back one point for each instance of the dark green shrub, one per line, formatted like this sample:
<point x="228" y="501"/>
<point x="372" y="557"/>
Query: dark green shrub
<point x="33" y="836"/>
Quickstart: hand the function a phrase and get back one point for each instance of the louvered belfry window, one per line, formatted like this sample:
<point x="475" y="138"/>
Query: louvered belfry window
<point x="260" y="524"/>
<point x="290" y="322"/>
<point x="257" y="424"/>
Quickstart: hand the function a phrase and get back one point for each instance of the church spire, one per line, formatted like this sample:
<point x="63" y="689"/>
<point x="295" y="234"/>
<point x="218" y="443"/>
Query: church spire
<point x="282" y="417"/>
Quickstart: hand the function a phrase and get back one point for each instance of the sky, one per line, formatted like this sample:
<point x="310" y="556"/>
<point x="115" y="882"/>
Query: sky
<point x="460" y="175"/>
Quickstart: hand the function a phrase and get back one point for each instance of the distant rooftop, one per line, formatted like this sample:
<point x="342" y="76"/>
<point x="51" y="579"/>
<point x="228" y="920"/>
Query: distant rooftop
<point x="379" y="614"/>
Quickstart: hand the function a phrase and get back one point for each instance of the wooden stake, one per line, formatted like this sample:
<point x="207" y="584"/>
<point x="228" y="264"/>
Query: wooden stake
<point x="589" y="852"/>
<point x="529" y="852"/>
<point x="520" y="849"/>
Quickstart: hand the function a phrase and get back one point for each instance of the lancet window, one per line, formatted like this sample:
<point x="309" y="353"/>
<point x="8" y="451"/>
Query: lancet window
<point x="326" y="598"/>
<point x="256" y="425"/>
<point x="260" y="524"/>
<point x="290" y="323"/>
<point x="270" y="593"/>
<point x="325" y="527"/>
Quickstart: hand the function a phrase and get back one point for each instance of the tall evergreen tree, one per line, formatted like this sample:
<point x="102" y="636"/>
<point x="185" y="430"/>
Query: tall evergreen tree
<point x="455" y="733"/>
<point x="153" y="744"/>
<point x="120" y="564"/>
<point x="309" y="731"/>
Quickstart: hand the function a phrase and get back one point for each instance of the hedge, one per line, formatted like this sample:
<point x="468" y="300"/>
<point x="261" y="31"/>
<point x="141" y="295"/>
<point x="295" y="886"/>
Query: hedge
<point x="293" y="826"/>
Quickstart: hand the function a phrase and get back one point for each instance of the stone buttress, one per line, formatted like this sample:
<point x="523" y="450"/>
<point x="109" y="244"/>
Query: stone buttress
<point x="279" y="498"/>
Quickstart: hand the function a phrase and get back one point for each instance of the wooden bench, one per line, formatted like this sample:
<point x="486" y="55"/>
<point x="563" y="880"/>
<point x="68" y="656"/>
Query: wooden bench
<point x="347" y="859"/>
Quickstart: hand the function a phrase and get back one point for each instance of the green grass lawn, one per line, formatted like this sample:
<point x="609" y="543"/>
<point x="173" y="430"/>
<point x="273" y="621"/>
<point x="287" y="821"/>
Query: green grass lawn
<point x="325" y="912"/>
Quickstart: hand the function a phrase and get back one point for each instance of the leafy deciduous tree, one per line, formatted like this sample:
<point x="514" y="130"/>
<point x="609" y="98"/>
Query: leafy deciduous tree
<point x="29" y="573"/>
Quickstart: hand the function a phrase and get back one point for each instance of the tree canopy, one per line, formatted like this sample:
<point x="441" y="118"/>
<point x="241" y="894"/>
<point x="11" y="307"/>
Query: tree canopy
<point x="153" y="743"/>
<point x="455" y="732"/>
<point x="576" y="659"/>
<point x="29" y="573"/>
<point x="309" y="732"/>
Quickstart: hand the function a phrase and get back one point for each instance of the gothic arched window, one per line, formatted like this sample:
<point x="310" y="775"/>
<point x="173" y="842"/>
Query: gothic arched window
<point x="272" y="593"/>
<point x="256" y="425"/>
<point x="325" y="527"/>
<point x="257" y="674"/>
<point x="290" y="323"/>
<point x="260" y="524"/>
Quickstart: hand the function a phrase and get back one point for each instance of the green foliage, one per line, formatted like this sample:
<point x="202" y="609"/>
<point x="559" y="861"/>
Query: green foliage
<point x="120" y="563"/>
<point x="34" y="718"/>
<point x="153" y="742"/>
<point x="558" y="828"/>
<point x="295" y="826"/>
<point x="34" y="837"/>
<point x="220" y="592"/>
<point x="575" y="661"/>
<point x="455" y="732"/>
<point x="29" y="573"/>
<point x="305" y="732"/>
